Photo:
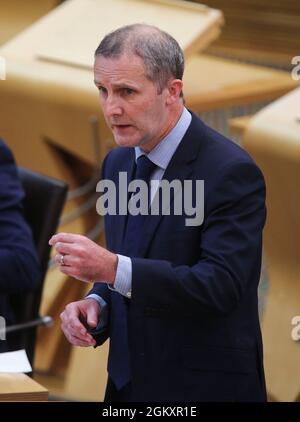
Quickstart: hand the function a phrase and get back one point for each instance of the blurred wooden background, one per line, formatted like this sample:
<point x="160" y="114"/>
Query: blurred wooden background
<point x="50" y="117"/>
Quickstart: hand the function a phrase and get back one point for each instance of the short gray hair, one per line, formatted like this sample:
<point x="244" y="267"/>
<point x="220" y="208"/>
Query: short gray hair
<point x="160" y="52"/>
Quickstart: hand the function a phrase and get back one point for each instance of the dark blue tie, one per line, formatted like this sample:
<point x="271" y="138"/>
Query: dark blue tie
<point x="119" y="359"/>
<point x="134" y="227"/>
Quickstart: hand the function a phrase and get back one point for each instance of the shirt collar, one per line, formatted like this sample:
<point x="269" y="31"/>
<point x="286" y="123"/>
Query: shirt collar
<point x="163" y="152"/>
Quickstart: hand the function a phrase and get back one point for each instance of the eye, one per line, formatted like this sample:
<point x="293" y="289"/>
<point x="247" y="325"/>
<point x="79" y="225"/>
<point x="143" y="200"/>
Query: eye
<point x="102" y="90"/>
<point x="128" y="91"/>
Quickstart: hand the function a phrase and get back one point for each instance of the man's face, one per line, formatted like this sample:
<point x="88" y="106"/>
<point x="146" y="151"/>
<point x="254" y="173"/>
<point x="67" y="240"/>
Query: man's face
<point x="134" y="110"/>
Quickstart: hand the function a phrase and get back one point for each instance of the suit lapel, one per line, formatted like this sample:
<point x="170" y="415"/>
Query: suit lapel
<point x="180" y="168"/>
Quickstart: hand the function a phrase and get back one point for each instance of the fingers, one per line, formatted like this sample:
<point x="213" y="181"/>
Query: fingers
<point x="66" y="248"/>
<point x="78" y="341"/>
<point x="65" y="238"/>
<point x="74" y="272"/>
<point x="93" y="316"/>
<point x="76" y="338"/>
<point x="73" y="328"/>
<point x="68" y="260"/>
<point x="69" y="254"/>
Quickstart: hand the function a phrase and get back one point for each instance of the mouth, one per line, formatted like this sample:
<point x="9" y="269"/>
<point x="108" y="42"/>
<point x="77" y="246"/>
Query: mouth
<point x="121" y="127"/>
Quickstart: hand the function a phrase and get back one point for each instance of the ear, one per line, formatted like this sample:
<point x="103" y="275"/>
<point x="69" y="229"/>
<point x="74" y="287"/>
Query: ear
<point x="174" y="89"/>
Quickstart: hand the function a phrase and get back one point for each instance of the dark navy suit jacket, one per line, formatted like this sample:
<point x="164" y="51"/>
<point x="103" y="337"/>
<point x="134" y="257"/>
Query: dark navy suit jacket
<point x="192" y="321"/>
<point x="19" y="267"/>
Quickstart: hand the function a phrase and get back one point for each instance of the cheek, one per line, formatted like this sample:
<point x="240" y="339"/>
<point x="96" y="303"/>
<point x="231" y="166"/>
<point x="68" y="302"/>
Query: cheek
<point x="155" y="114"/>
<point x="146" y="114"/>
<point x="150" y="109"/>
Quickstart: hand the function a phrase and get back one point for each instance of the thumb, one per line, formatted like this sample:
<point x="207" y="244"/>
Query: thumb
<point x="92" y="317"/>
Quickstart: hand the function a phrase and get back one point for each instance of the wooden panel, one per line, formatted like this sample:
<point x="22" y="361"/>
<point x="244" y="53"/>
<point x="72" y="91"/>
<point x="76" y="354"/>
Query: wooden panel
<point x="54" y="38"/>
<point x="88" y="384"/>
<point x="44" y="102"/>
<point x="20" y="387"/>
<point x="238" y="125"/>
<point x="16" y="15"/>
<point x="273" y="139"/>
<point x="262" y="29"/>
<point x="212" y="83"/>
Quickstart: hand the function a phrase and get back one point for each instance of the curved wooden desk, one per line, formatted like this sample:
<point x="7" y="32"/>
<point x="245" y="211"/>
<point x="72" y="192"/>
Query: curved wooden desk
<point x="272" y="137"/>
<point x="20" y="387"/>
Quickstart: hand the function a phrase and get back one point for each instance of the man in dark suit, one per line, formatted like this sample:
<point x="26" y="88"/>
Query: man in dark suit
<point x="177" y="298"/>
<point x="19" y="267"/>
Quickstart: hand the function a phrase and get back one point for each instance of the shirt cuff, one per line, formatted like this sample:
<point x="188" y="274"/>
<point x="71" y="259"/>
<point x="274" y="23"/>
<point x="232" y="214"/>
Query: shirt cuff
<point x="104" y="311"/>
<point x="98" y="299"/>
<point x="123" y="280"/>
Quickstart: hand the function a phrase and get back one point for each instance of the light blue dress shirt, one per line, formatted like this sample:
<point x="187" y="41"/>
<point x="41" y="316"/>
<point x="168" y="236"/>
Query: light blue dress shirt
<point x="161" y="155"/>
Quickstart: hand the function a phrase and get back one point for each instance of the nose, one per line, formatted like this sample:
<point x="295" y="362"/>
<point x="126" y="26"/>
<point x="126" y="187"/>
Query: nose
<point x="112" y="107"/>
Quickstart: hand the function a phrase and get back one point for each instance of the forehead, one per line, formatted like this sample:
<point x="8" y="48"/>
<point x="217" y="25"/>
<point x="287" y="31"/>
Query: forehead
<point x="114" y="70"/>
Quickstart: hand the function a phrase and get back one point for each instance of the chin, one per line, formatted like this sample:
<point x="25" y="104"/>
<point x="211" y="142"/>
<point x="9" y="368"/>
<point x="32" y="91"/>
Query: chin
<point x="125" y="142"/>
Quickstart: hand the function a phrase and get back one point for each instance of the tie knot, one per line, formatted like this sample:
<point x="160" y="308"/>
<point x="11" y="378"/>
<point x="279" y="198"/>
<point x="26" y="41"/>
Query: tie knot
<point x="144" y="168"/>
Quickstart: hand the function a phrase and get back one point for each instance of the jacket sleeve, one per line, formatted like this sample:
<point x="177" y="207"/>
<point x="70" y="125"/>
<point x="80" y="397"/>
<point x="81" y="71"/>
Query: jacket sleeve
<point x="19" y="267"/>
<point x="229" y="251"/>
<point x="101" y="332"/>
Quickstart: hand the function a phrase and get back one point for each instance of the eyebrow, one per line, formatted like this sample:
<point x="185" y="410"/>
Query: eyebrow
<point x="118" y="85"/>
